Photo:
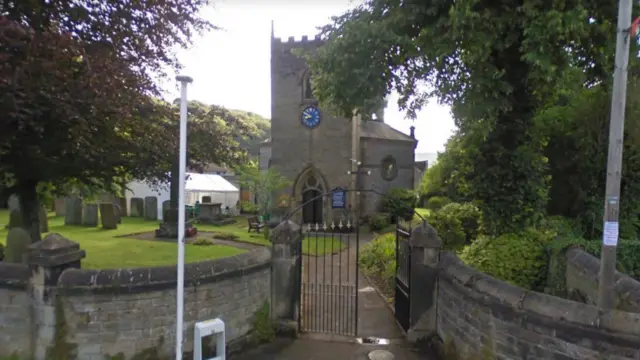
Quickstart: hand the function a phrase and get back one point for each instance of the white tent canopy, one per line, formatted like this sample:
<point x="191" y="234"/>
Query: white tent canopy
<point x="197" y="185"/>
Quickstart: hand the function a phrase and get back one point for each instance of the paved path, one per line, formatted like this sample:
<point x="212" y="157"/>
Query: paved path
<point x="329" y="305"/>
<point x="306" y="349"/>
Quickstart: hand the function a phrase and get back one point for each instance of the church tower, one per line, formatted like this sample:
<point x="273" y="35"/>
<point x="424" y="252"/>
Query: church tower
<point x="308" y="145"/>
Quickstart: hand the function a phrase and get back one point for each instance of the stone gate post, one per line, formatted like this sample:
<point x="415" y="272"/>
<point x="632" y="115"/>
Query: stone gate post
<point x="47" y="259"/>
<point x="285" y="275"/>
<point x="425" y="255"/>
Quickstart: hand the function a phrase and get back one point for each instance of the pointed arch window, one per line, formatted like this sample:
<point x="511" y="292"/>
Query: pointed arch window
<point x="307" y="89"/>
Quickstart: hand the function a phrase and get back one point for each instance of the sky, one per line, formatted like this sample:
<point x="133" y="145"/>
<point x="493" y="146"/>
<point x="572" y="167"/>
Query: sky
<point x="231" y="67"/>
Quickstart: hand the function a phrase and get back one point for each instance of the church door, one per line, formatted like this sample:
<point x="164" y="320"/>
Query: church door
<point x="312" y="209"/>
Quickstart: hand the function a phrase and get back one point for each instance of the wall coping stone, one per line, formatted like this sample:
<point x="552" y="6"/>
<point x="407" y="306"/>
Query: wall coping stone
<point x="145" y="279"/>
<point x="624" y="285"/>
<point x="14" y="276"/>
<point x="619" y="326"/>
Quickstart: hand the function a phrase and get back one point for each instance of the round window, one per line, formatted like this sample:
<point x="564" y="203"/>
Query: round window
<point x="389" y="168"/>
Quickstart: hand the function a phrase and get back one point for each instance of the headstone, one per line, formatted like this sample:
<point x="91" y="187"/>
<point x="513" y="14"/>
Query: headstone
<point x="73" y="210"/>
<point x="151" y="208"/>
<point x="13" y="203"/>
<point x="18" y="241"/>
<point x="137" y="207"/>
<point x="123" y="206"/>
<point x="165" y="206"/>
<point x="117" y="210"/>
<point x="108" y="216"/>
<point x="90" y="215"/>
<point x="206" y="199"/>
<point x="44" y="221"/>
<point x="15" y="219"/>
<point x="58" y="204"/>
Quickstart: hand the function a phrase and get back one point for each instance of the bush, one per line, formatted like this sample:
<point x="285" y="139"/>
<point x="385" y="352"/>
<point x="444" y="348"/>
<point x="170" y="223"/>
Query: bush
<point x="202" y="242"/>
<point x="1" y="252"/>
<point x="248" y="208"/>
<point x="225" y="236"/>
<point x="378" y="259"/>
<point x="399" y="202"/>
<point x="457" y="224"/>
<point x="379" y="221"/>
<point x="436" y="203"/>
<point x="519" y="259"/>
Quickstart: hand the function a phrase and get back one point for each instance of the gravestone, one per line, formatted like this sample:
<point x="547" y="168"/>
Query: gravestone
<point x="166" y="205"/>
<point x="123" y="206"/>
<point x="206" y="199"/>
<point x="108" y="216"/>
<point x="15" y="219"/>
<point x="73" y="210"/>
<point x="58" y="204"/>
<point x="18" y="241"/>
<point x="151" y="208"/>
<point x="13" y="203"/>
<point x="44" y="221"/>
<point x="90" y="215"/>
<point x="137" y="207"/>
<point x="117" y="210"/>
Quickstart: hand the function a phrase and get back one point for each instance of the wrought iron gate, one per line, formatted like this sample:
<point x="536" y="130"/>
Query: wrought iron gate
<point x="403" y="274"/>
<point x="329" y="278"/>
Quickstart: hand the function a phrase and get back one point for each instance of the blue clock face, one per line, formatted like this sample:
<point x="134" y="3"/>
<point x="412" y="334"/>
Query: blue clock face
<point x="311" y="116"/>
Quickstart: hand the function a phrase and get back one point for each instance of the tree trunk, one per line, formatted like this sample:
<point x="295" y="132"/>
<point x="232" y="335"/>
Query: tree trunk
<point x="174" y="187"/>
<point x="30" y="208"/>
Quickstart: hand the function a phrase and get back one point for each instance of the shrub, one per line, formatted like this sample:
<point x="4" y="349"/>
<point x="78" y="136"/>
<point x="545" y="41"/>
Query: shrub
<point x="519" y="259"/>
<point x="436" y="203"/>
<point x="379" y="221"/>
<point x="399" y="202"/>
<point x="225" y="236"/>
<point x="378" y="259"/>
<point x="457" y="224"/>
<point x="202" y="242"/>
<point x="248" y="208"/>
<point x="1" y="252"/>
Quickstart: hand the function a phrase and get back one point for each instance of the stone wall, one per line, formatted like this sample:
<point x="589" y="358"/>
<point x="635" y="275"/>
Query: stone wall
<point x="90" y="314"/>
<point x="582" y="282"/>
<point x="15" y="332"/>
<point x="487" y="317"/>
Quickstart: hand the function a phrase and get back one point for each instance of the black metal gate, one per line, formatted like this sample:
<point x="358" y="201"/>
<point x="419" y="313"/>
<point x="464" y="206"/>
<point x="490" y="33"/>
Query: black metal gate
<point x="403" y="274"/>
<point x="329" y="278"/>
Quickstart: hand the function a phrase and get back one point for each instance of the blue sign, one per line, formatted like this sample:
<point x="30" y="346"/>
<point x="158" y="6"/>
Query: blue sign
<point x="338" y="198"/>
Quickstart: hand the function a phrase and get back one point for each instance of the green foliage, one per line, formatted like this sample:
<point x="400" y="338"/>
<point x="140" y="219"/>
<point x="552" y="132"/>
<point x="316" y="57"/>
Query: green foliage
<point x="399" y="203"/>
<point x="518" y="258"/>
<point x="225" y="236"/>
<point x="263" y="329"/>
<point x="18" y="241"/>
<point x="457" y="224"/>
<point x="436" y="203"/>
<point x="379" y="221"/>
<point x="248" y="208"/>
<point x="203" y="242"/>
<point x="378" y="259"/>
<point x="264" y="183"/>
<point x="2" y="252"/>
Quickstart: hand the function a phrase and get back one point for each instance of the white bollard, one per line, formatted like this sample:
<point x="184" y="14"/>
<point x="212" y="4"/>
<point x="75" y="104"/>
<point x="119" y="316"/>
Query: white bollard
<point x="207" y="328"/>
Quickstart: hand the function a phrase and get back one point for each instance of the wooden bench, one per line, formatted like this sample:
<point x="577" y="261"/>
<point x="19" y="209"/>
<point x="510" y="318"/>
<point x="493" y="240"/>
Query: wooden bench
<point x="254" y="224"/>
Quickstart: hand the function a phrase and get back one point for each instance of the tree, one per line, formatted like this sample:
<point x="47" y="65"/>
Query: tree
<point x="214" y="135"/>
<point x="264" y="183"/>
<point x="76" y="85"/>
<point x="495" y="63"/>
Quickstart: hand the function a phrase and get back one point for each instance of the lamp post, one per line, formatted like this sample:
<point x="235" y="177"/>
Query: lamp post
<point x="184" y="81"/>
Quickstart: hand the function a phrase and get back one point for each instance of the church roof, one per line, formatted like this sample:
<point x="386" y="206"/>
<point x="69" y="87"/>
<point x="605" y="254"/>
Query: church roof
<point x="381" y="130"/>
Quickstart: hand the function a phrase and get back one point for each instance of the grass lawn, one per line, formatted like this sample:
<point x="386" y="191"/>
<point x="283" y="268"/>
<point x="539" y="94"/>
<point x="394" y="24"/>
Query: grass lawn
<point x="310" y="245"/>
<point x="106" y="251"/>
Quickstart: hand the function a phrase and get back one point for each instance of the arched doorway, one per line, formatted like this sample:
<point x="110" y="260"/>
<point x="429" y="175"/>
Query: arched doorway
<point x="313" y="208"/>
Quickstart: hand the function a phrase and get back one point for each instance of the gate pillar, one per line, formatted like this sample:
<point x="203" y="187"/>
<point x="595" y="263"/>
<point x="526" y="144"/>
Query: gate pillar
<point x="285" y="275"/>
<point x="425" y="255"/>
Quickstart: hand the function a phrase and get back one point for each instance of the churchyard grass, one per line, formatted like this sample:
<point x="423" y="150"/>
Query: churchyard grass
<point x="324" y="245"/>
<point x="106" y="249"/>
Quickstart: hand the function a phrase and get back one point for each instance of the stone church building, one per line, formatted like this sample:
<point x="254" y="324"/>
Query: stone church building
<point x="314" y="149"/>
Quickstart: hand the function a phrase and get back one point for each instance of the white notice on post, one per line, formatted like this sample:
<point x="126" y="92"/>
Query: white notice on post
<point x="610" y="233"/>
